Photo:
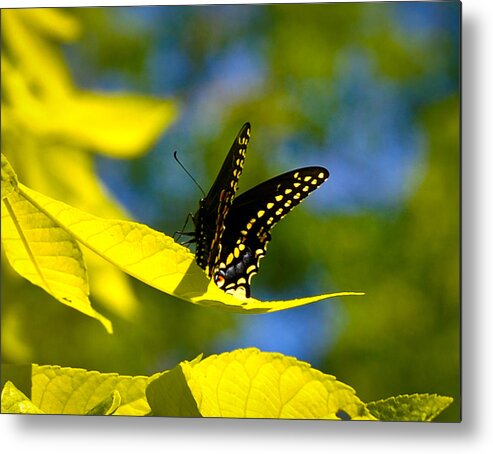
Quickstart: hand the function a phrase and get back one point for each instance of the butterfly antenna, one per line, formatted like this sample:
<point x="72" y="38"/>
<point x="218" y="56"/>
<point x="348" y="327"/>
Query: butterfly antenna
<point x="175" y="154"/>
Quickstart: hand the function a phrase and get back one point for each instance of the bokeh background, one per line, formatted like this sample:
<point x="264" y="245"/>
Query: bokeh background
<point x="369" y="90"/>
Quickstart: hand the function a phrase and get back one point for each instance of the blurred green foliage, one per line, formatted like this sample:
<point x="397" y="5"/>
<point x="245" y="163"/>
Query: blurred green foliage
<point x="407" y="332"/>
<point x="403" y="337"/>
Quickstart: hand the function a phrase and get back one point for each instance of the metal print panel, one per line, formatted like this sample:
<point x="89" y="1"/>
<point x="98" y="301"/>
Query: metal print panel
<point x="236" y="211"/>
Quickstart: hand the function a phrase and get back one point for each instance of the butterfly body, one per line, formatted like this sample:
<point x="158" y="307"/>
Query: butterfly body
<point x="232" y="233"/>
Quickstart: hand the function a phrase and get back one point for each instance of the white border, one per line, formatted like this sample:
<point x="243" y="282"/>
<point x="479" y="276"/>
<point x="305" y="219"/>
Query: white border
<point x="57" y="434"/>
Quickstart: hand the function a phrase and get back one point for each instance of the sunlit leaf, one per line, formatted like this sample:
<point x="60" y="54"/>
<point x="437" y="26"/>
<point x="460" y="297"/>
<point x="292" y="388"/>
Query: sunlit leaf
<point x="153" y="257"/>
<point x="15" y="401"/>
<point x="54" y="22"/>
<point x="415" y="407"/>
<point x="253" y="384"/>
<point x="45" y="254"/>
<point x="64" y="173"/>
<point x="120" y="125"/>
<point x="55" y="124"/>
<point x="64" y="390"/>
<point x="26" y="45"/>
<point x="46" y="103"/>
<point x="245" y="383"/>
<point x="110" y="285"/>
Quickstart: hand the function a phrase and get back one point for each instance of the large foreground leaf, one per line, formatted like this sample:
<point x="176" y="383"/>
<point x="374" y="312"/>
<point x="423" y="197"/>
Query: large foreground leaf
<point x="152" y="257"/>
<point x="253" y="384"/>
<point x="52" y="130"/>
<point x="43" y="252"/>
<point x="245" y="383"/>
<point x="69" y="391"/>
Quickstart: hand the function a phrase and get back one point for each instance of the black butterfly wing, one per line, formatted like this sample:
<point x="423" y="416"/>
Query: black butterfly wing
<point x="250" y="219"/>
<point x="213" y="208"/>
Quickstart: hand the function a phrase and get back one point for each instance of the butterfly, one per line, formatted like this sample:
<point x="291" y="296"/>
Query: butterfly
<point x="232" y="233"/>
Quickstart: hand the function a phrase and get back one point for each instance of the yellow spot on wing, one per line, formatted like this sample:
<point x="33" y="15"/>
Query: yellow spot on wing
<point x="251" y="268"/>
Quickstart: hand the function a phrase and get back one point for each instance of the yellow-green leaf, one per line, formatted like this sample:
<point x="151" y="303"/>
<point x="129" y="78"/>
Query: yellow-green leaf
<point x="54" y="22"/>
<point x="414" y="407"/>
<point x="46" y="255"/>
<point x="118" y="124"/>
<point x="25" y="44"/>
<point x="121" y="125"/>
<point x="49" y="126"/>
<point x="153" y="257"/>
<point x="15" y="401"/>
<point x="67" y="174"/>
<point x="110" y="286"/>
<point x="65" y="390"/>
<point x="253" y="384"/>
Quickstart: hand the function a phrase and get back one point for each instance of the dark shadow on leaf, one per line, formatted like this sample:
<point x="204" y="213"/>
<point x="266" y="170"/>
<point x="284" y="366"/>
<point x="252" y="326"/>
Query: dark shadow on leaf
<point x="194" y="282"/>
<point x="169" y="395"/>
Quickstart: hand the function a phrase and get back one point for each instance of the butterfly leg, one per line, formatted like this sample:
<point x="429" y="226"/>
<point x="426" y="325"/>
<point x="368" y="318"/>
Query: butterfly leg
<point x="179" y="233"/>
